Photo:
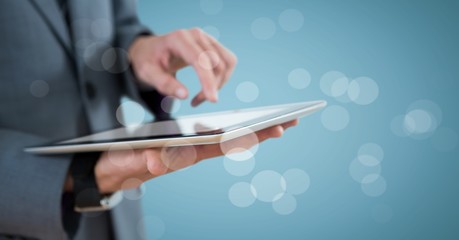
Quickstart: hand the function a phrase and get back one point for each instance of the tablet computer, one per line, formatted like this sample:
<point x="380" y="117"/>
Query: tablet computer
<point x="206" y="128"/>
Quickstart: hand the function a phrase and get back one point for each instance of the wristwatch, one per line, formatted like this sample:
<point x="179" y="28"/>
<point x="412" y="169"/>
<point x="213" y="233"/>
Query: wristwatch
<point x="87" y="195"/>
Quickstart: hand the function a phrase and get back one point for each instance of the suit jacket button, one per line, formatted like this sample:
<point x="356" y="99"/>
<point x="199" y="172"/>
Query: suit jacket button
<point x="90" y="90"/>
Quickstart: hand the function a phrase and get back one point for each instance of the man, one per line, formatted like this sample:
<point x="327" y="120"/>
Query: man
<point x="63" y="69"/>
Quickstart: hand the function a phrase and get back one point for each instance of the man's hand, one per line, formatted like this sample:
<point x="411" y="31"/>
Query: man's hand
<point x="116" y="167"/>
<point x="156" y="59"/>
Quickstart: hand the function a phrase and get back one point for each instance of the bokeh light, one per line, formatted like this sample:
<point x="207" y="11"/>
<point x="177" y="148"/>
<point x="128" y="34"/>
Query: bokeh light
<point x="263" y="28"/>
<point x="269" y="185"/>
<point x="92" y="55"/>
<point x="130" y="114"/>
<point x="339" y="87"/>
<point x="420" y="121"/>
<point x="363" y="90"/>
<point x="335" y="118"/>
<point x="39" y="88"/>
<point x="241" y="194"/>
<point x="151" y="228"/>
<point x="134" y="189"/>
<point x="242" y="148"/>
<point x="297" y="181"/>
<point x="328" y="80"/>
<point x="170" y="105"/>
<point x="239" y="168"/>
<point x="112" y="60"/>
<point x="374" y="185"/>
<point x="291" y="20"/>
<point x="371" y="149"/>
<point x="211" y="7"/>
<point x="429" y="106"/>
<point x="285" y="205"/>
<point x="359" y="171"/>
<point x="299" y="78"/>
<point x="212" y="31"/>
<point x="247" y="92"/>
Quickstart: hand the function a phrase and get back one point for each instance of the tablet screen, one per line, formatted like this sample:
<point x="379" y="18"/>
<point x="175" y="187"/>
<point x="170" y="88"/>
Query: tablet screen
<point x="203" y="124"/>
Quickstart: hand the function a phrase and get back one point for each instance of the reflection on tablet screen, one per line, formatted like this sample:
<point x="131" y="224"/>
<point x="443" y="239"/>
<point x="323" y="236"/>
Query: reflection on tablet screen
<point x="186" y="126"/>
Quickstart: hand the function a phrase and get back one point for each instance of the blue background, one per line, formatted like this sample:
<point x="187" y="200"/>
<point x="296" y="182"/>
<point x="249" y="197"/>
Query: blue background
<point x="410" y="48"/>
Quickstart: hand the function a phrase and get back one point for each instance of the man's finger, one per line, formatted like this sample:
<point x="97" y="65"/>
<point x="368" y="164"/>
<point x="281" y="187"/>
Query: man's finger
<point x="290" y="124"/>
<point x="165" y="82"/>
<point x="228" y="57"/>
<point x="181" y="43"/>
<point x="214" y="150"/>
<point x="198" y="99"/>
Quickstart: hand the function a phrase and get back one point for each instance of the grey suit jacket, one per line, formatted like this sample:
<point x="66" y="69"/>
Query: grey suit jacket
<point x="57" y="83"/>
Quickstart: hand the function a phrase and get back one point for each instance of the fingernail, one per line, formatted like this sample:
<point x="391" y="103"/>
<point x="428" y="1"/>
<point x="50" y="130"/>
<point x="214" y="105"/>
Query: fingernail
<point x="180" y="93"/>
<point x="216" y="96"/>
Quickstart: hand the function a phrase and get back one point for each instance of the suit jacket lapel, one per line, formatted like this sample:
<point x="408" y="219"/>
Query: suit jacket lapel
<point x="50" y="11"/>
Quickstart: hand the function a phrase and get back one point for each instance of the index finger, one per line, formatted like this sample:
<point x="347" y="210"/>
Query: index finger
<point x="184" y="45"/>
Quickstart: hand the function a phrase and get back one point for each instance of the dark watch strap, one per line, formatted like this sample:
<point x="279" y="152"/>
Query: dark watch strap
<point x="85" y="187"/>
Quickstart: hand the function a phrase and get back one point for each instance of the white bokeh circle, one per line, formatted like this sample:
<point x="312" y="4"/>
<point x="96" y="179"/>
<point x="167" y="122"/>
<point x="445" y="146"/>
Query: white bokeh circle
<point x="328" y="79"/>
<point x="212" y="31"/>
<point x="242" y="148"/>
<point x="299" y="78"/>
<point x="297" y="181"/>
<point x="39" y="88"/>
<point x="112" y="60"/>
<point x="374" y="185"/>
<point x="432" y="108"/>
<point x="263" y="28"/>
<point x="170" y="105"/>
<point x="130" y="114"/>
<point x="211" y="7"/>
<point x="239" y="168"/>
<point x="360" y="171"/>
<point x="368" y="160"/>
<point x="371" y="149"/>
<point x="363" y="90"/>
<point x="335" y="118"/>
<point x="151" y="227"/>
<point x="247" y="92"/>
<point x="418" y="121"/>
<point x="92" y="55"/>
<point x="339" y="87"/>
<point x="291" y="20"/>
<point x="241" y="194"/>
<point x="285" y="205"/>
<point x="134" y="189"/>
<point x="269" y="185"/>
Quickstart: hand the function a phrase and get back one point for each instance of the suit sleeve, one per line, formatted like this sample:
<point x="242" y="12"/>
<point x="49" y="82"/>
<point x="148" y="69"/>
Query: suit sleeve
<point x="31" y="188"/>
<point x="128" y="28"/>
